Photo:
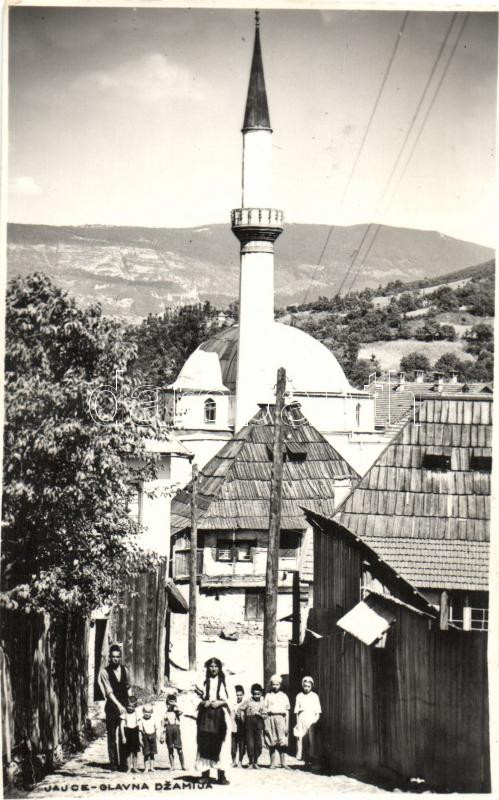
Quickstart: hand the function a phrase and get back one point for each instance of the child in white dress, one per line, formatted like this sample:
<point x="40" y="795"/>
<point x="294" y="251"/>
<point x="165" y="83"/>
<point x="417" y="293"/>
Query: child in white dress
<point x="308" y="711"/>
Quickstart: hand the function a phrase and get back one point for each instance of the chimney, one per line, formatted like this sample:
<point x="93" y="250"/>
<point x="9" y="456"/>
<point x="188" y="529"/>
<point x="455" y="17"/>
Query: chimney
<point x="438" y="379"/>
<point x="419" y="376"/>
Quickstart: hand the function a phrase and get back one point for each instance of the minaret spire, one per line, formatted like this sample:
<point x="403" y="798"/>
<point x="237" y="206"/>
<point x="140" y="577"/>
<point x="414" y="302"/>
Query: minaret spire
<point x="257" y="225"/>
<point x="256" y="116"/>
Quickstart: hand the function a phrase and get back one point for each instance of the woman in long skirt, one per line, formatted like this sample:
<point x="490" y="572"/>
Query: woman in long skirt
<point x="214" y="727"/>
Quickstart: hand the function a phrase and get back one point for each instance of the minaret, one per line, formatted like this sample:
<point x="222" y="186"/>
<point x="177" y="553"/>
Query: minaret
<point x="257" y="225"/>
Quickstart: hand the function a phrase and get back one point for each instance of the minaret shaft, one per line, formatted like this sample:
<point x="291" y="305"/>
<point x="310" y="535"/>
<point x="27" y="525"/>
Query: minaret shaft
<point x="257" y="225"/>
<point x="257" y="169"/>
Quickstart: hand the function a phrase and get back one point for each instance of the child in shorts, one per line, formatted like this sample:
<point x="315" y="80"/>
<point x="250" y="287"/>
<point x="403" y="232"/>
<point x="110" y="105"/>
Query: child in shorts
<point x="129" y="734"/>
<point x="171" y="729"/>
<point x="148" y="737"/>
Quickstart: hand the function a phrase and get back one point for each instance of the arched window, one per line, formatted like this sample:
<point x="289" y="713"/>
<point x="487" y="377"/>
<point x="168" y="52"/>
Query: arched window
<point x="357" y="415"/>
<point x="210" y="410"/>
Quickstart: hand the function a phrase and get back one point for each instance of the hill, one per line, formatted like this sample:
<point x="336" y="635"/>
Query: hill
<point x="133" y="271"/>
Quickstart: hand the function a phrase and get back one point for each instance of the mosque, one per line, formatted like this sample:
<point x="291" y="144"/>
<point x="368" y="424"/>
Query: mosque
<point x="225" y="381"/>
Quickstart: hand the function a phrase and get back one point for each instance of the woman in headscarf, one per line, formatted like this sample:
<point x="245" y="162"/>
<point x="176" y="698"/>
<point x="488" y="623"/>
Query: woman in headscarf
<point x="214" y="728"/>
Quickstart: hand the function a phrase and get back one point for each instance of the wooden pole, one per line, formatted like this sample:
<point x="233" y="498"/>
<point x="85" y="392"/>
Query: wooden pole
<point x="444" y="611"/>
<point x="272" y="573"/>
<point x="193" y="572"/>
<point x="295" y="637"/>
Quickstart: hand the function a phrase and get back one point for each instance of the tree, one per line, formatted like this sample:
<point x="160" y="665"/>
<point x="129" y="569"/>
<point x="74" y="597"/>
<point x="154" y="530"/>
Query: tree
<point x="448" y="332"/>
<point x="165" y="341"/>
<point x="73" y="453"/>
<point x="358" y="372"/>
<point x="449" y="363"/>
<point x="414" y="362"/>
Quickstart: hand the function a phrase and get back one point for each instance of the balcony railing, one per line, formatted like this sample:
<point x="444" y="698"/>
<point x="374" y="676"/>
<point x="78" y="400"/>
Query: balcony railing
<point x="181" y="563"/>
<point x="257" y="217"/>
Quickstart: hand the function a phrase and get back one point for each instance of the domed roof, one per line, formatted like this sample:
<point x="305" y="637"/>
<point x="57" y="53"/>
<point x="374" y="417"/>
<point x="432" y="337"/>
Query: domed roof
<point x="309" y="365"/>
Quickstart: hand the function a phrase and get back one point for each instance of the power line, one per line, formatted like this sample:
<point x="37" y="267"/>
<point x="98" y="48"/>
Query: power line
<point x="361" y="147"/>
<point x="402" y="148"/>
<point x="430" y="107"/>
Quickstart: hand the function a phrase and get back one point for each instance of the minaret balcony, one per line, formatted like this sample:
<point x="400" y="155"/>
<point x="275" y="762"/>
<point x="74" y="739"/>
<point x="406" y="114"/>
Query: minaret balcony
<point x="257" y="224"/>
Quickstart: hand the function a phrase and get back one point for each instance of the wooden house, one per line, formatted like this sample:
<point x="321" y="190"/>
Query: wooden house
<point x="404" y="701"/>
<point x="424" y="505"/>
<point x="396" y="638"/>
<point x="233" y="520"/>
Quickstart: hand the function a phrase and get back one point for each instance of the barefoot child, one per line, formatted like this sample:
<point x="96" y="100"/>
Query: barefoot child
<point x="254" y="715"/>
<point x="308" y="711"/>
<point x="238" y="728"/>
<point x="276" y="721"/>
<point x="129" y="732"/>
<point x="148" y="737"/>
<point x="171" y="730"/>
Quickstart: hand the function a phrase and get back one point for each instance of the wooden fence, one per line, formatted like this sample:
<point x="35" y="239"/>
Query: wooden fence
<point x="138" y="624"/>
<point x="43" y="668"/>
<point x="417" y="708"/>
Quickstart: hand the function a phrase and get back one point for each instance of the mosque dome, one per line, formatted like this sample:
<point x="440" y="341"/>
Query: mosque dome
<point x="309" y="365"/>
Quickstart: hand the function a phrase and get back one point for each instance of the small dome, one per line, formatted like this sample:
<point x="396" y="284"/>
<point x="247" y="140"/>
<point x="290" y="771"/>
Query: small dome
<point x="309" y="365"/>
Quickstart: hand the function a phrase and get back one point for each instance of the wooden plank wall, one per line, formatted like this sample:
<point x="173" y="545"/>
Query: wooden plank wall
<point x="137" y="624"/>
<point x="43" y="669"/>
<point x="417" y="708"/>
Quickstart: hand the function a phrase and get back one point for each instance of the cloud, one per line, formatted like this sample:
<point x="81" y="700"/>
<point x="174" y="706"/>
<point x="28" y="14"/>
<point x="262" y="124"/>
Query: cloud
<point x="24" y="185"/>
<point x="148" y="79"/>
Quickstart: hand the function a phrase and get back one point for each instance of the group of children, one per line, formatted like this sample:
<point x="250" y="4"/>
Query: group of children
<point x="258" y="719"/>
<point x="266" y="718"/>
<point x="141" y="734"/>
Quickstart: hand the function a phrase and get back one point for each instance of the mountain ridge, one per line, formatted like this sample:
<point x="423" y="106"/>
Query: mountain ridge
<point x="135" y="270"/>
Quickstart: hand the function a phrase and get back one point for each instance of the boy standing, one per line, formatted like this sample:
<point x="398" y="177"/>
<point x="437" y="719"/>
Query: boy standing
<point x="129" y="731"/>
<point x="148" y="737"/>
<point x="171" y="728"/>
<point x="254" y="715"/>
<point x="276" y="721"/>
<point x="238" y="728"/>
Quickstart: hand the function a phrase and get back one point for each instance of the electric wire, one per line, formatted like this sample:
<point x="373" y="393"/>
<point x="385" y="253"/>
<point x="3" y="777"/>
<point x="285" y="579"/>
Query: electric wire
<point x="378" y="226"/>
<point x="362" y="144"/>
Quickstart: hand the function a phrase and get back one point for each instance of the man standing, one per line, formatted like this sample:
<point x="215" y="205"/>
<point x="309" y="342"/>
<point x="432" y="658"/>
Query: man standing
<point x="115" y="685"/>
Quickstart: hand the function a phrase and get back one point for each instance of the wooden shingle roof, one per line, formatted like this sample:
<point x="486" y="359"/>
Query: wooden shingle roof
<point x="234" y="486"/>
<point x="395" y="401"/>
<point x="432" y="526"/>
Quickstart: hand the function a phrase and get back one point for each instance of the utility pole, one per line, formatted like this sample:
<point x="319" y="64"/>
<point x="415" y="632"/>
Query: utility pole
<point x="193" y="571"/>
<point x="272" y="574"/>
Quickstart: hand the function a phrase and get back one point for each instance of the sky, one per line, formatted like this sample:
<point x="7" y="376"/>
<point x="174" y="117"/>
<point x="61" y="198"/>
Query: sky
<point x="133" y="117"/>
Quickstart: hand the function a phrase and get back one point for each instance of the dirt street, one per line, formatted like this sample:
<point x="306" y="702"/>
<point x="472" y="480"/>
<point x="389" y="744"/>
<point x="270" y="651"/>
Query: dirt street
<point x="87" y="775"/>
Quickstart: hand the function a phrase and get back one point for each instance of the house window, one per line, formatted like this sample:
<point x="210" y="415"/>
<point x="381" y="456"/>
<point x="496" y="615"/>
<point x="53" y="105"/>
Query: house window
<point x="210" y="411"/>
<point x="481" y="463"/>
<point x="224" y="550"/>
<point x="289" y="542"/>
<point x="479" y="619"/>
<point x="239" y="550"/>
<point x="436" y="462"/>
<point x="254" y="604"/>
<point x="357" y="415"/>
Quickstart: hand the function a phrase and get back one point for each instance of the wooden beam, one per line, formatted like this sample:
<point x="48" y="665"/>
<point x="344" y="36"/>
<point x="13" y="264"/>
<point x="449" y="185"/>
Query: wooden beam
<point x="272" y="572"/>
<point x="444" y="611"/>
<point x="193" y="572"/>
<point x="296" y="624"/>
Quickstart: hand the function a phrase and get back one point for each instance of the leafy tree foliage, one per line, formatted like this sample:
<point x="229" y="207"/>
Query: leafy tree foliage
<point x="68" y="540"/>
<point x="415" y="362"/>
<point x="164" y="341"/>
